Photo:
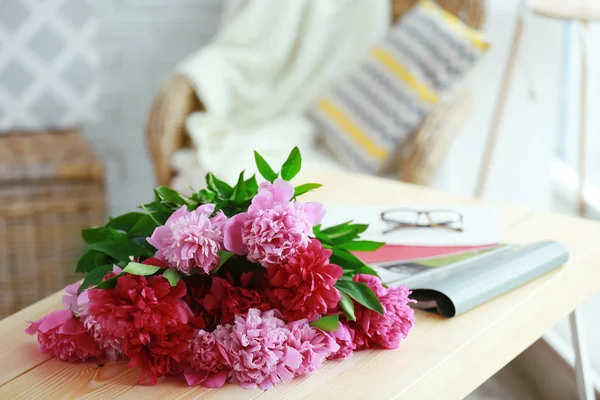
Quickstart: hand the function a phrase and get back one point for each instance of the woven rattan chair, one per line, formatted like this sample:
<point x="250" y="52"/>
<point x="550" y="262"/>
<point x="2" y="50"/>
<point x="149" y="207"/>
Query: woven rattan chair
<point x="416" y="162"/>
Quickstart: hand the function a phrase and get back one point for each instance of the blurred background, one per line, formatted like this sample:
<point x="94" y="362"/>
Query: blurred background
<point x="95" y="98"/>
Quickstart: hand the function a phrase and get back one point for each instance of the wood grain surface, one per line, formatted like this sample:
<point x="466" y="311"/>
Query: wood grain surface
<point x="441" y="359"/>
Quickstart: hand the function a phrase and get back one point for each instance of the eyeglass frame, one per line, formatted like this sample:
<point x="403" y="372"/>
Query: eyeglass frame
<point x="418" y="213"/>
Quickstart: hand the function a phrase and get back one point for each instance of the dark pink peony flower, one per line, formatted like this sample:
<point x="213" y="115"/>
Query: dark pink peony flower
<point x="150" y="319"/>
<point x="314" y="345"/>
<point x="344" y="337"/>
<point x="303" y="285"/>
<point x="64" y="336"/>
<point x="375" y="330"/>
<point x="208" y="362"/>
<point x="227" y="300"/>
<point x="274" y="228"/>
<point x="257" y="349"/>
<point x="190" y="239"/>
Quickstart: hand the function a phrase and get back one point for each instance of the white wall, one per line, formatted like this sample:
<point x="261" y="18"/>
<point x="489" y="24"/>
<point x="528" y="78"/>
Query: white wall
<point x="140" y="42"/>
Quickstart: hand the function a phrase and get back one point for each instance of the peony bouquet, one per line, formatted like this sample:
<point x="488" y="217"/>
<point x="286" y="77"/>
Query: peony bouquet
<point x="233" y="284"/>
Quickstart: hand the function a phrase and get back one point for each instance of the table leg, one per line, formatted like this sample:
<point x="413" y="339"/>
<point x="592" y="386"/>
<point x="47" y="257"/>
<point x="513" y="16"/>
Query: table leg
<point x="582" y="157"/>
<point x="585" y="389"/>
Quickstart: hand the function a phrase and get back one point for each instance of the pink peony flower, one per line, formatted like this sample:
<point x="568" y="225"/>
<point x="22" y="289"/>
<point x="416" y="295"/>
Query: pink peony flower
<point x="313" y="344"/>
<point x="149" y="318"/>
<point x="208" y="362"/>
<point x="64" y="336"/>
<point x="274" y="228"/>
<point x="257" y="348"/>
<point x="190" y="239"/>
<point x="344" y="337"/>
<point x="303" y="285"/>
<point x="374" y="329"/>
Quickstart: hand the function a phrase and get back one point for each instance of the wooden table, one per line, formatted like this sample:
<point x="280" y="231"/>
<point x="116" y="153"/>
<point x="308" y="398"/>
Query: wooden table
<point x="441" y="359"/>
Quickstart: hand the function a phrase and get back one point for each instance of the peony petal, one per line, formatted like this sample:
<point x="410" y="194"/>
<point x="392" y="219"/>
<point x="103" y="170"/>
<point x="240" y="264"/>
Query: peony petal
<point x="116" y="269"/>
<point x="152" y="261"/>
<point x="183" y="210"/>
<point x="55" y="319"/>
<point x="193" y="377"/>
<point x="72" y="288"/>
<point x="315" y="212"/>
<point x="205" y="209"/>
<point x="283" y="191"/>
<point x="69" y="302"/>
<point x="292" y="357"/>
<point x="233" y="234"/>
<point x="216" y="381"/>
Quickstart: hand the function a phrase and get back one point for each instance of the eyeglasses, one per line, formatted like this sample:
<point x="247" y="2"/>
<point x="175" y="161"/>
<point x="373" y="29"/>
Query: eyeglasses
<point x="400" y="218"/>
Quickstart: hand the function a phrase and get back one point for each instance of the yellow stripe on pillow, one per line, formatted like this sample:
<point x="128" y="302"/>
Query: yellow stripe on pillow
<point x="401" y="72"/>
<point x="456" y="24"/>
<point x="349" y="127"/>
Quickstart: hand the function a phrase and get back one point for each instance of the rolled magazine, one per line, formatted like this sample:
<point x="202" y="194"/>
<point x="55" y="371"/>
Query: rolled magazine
<point x="456" y="282"/>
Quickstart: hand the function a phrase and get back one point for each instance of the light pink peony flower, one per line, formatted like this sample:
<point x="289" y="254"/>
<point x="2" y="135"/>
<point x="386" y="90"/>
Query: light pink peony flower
<point x="69" y="300"/>
<point x="313" y="344"/>
<point x="208" y="362"/>
<point x="388" y="330"/>
<point x="274" y="227"/>
<point x="344" y="337"/>
<point x="190" y="239"/>
<point x="256" y="346"/>
<point x="64" y="336"/>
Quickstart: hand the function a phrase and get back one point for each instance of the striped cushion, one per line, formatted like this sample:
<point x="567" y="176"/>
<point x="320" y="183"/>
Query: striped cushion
<point x="365" y="116"/>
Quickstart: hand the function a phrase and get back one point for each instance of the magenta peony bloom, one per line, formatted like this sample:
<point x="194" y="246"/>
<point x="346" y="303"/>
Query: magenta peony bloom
<point x="257" y="348"/>
<point x="149" y="318"/>
<point x="303" y="284"/>
<point x="313" y="344"/>
<point x="374" y="329"/>
<point x="344" y="337"/>
<point x="190" y="239"/>
<point x="64" y="336"/>
<point x="208" y="362"/>
<point x="274" y="228"/>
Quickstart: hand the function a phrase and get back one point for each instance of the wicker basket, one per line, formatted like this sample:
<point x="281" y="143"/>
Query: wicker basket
<point x="51" y="187"/>
<point x="417" y="163"/>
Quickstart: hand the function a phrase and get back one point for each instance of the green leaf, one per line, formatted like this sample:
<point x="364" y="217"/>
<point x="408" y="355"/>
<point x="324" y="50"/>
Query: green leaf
<point x="365" y="269"/>
<point x="239" y="192"/>
<point x="292" y="165"/>
<point x="135" y="268"/>
<point x="218" y="186"/>
<point x="95" y="277"/>
<point x="264" y="168"/>
<point x="109" y="283"/>
<point x="347" y="306"/>
<point x="362" y="245"/>
<point x="172" y="276"/>
<point x="93" y="235"/>
<point x="328" y="324"/>
<point x="89" y="260"/>
<point x="345" y="260"/>
<point x="126" y="221"/>
<point x="204" y="196"/>
<point x="337" y="228"/>
<point x="144" y="227"/>
<point x="224" y="256"/>
<point x="120" y="248"/>
<point x="251" y="187"/>
<point x="307" y="187"/>
<point x="361" y="293"/>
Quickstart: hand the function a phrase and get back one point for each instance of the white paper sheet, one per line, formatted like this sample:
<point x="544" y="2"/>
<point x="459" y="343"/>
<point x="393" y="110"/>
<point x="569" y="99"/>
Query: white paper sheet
<point x="481" y="225"/>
